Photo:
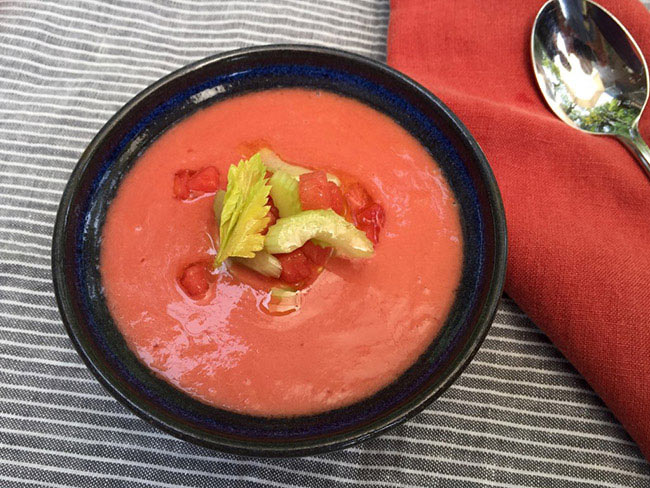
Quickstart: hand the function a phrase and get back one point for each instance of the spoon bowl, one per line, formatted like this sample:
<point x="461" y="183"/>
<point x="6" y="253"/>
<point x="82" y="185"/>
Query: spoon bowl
<point x="591" y="71"/>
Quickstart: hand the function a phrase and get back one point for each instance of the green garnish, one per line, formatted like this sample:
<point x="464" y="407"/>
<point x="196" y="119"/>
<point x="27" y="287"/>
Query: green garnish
<point x="264" y="263"/>
<point x="217" y="205"/>
<point x="290" y="233"/>
<point x="284" y="192"/>
<point x="279" y="293"/>
<point x="282" y="301"/>
<point x="244" y="213"/>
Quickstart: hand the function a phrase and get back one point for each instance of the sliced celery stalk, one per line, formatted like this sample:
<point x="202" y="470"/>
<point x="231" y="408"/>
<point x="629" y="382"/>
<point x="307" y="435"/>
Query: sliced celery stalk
<point x="284" y="192"/>
<point x="282" y="301"/>
<point x="263" y="262"/>
<point x="290" y="233"/>
<point x="273" y="163"/>
<point x="280" y="294"/>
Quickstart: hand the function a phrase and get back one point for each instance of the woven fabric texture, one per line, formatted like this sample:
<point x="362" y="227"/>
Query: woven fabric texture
<point x="519" y="416"/>
<point x="586" y="287"/>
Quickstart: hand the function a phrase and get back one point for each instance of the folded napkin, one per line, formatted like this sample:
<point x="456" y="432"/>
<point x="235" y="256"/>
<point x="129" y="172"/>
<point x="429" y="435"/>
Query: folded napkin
<point x="577" y="205"/>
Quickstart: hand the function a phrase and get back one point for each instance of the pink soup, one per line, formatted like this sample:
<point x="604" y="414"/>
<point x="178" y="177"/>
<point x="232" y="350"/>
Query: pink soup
<point x="361" y="324"/>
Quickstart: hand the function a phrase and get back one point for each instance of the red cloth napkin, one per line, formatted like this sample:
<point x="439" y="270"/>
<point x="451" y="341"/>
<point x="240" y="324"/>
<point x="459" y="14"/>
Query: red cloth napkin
<point x="577" y="205"/>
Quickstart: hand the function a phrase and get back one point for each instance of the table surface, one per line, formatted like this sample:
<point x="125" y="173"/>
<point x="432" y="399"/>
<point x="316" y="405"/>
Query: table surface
<point x="519" y="416"/>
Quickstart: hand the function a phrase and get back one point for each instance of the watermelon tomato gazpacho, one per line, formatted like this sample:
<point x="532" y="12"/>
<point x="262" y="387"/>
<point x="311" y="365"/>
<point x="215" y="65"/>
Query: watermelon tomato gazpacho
<point x="283" y="252"/>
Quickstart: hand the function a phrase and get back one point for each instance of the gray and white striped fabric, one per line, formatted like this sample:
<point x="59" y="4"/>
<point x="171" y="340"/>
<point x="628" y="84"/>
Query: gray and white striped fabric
<point x="519" y="416"/>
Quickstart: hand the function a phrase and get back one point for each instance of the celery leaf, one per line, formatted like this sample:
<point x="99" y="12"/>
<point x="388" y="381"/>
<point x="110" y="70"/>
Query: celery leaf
<point x="244" y="214"/>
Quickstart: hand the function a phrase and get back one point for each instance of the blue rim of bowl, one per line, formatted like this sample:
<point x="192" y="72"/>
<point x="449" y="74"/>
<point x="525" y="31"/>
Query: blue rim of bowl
<point x="357" y="435"/>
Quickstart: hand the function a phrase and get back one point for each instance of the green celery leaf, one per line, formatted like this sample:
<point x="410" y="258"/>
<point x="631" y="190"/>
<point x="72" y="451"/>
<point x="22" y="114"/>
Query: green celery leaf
<point x="244" y="213"/>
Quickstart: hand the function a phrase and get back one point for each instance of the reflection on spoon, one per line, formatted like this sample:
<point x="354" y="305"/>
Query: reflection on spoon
<point x="591" y="72"/>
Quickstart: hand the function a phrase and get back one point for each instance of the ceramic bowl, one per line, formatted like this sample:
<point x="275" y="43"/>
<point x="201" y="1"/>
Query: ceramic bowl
<point x="132" y="129"/>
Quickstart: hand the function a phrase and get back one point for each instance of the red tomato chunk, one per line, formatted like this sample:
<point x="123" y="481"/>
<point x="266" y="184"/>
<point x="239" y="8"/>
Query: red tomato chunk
<point x="368" y="216"/>
<point x="188" y="183"/>
<point x="181" y="181"/>
<point x="273" y="216"/>
<point x="195" y="280"/>
<point x="370" y="220"/>
<point x="205" y="180"/>
<point x="337" y="200"/>
<point x="297" y="269"/>
<point x="314" y="191"/>
<point x="316" y="254"/>
<point x="318" y="193"/>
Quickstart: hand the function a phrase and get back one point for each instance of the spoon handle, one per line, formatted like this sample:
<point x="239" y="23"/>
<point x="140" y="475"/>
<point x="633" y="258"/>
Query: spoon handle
<point x="639" y="147"/>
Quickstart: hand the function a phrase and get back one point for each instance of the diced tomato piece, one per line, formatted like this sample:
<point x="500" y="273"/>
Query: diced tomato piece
<point x="274" y="210"/>
<point x="318" y="193"/>
<point x="205" y="180"/>
<point x="314" y="191"/>
<point x="337" y="200"/>
<point x="296" y="267"/>
<point x="181" y="184"/>
<point x="371" y="220"/>
<point x="357" y="198"/>
<point x="195" y="280"/>
<point x="273" y="216"/>
<point x="316" y="254"/>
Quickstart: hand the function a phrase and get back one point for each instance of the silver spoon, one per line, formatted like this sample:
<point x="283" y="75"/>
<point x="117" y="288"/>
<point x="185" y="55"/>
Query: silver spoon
<point x="591" y="72"/>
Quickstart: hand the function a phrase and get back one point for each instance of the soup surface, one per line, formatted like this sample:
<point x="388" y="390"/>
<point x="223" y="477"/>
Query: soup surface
<point x="361" y="323"/>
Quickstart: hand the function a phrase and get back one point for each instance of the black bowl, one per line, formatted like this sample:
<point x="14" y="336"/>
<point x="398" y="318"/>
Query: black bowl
<point x="112" y="152"/>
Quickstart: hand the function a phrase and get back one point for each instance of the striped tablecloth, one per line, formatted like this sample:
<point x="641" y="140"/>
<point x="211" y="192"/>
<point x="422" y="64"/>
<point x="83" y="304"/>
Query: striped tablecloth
<point x="519" y="415"/>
